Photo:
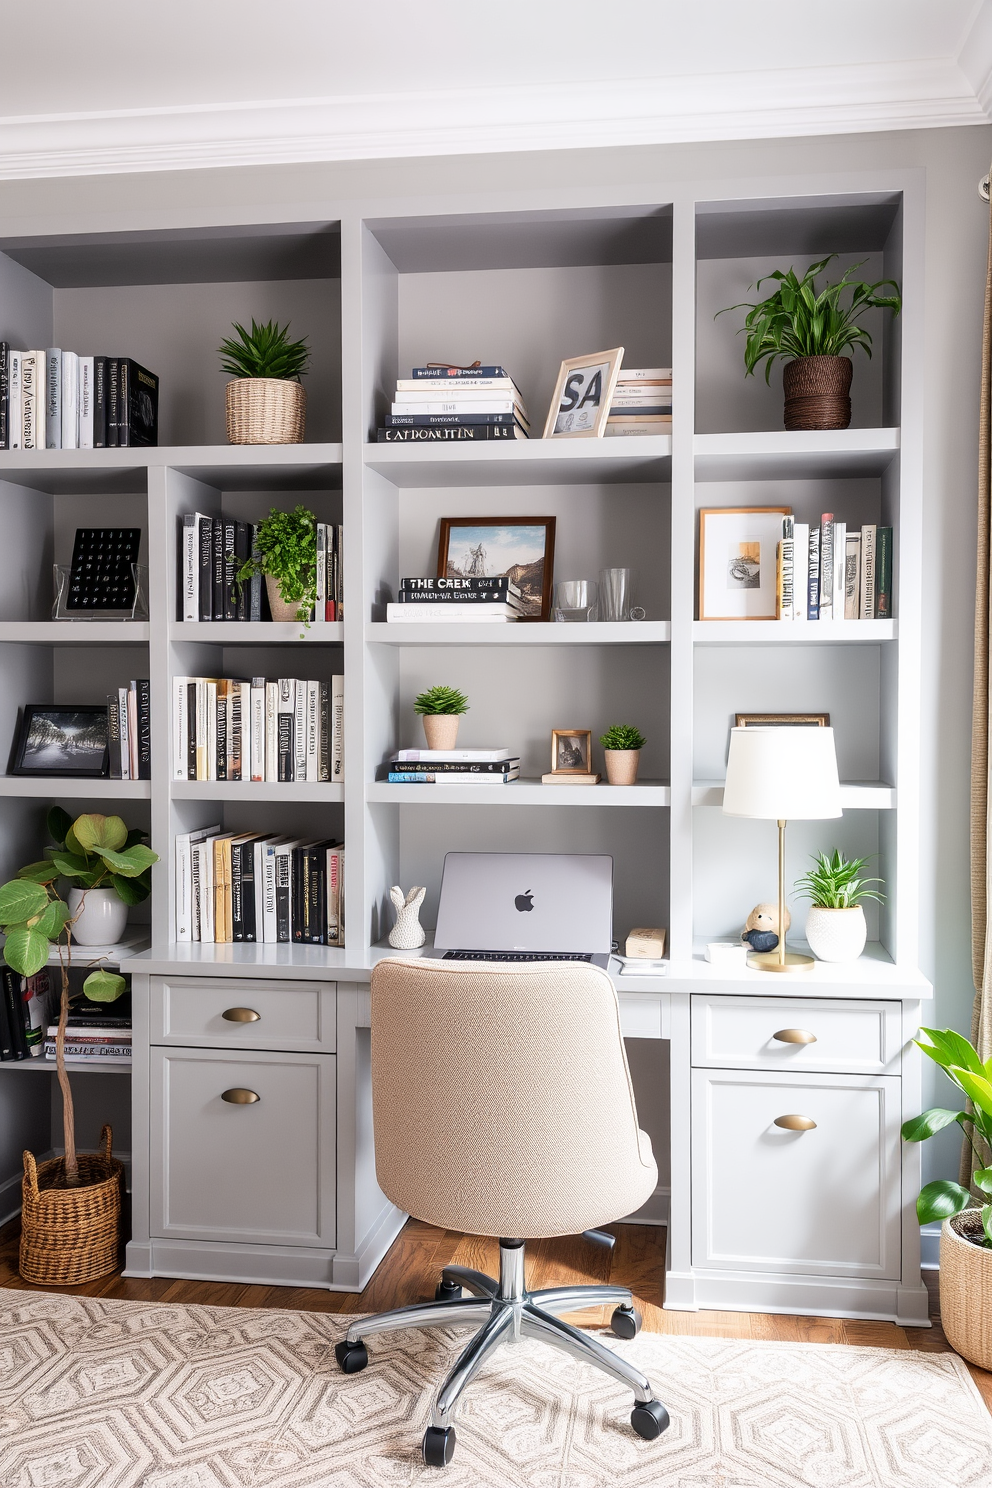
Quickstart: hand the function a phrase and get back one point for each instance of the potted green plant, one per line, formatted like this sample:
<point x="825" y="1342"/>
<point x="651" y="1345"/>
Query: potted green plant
<point x="835" y="925"/>
<point x="810" y="330"/>
<point x="622" y="745"/>
<point x="71" y="1204"/>
<point x="266" y="403"/>
<point x="966" y="1231"/>
<point x="285" y="552"/>
<point x="441" y="708"/>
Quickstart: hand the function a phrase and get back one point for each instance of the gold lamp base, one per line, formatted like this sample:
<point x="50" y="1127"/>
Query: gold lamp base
<point x="769" y="961"/>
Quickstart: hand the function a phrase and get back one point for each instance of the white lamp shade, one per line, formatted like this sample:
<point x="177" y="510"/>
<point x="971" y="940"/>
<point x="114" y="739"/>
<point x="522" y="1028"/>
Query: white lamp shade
<point x="785" y="774"/>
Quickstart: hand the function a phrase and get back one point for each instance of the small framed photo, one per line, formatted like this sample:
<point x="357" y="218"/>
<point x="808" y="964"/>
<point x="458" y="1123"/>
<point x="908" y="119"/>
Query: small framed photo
<point x="571" y="751"/>
<point x="583" y="394"/>
<point x="781" y="720"/>
<point x="64" y="740"/>
<point x="521" y="549"/>
<point x="738" y="548"/>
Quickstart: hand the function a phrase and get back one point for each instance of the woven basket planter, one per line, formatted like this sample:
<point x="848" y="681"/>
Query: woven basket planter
<point x="71" y="1235"/>
<point x="966" y="1289"/>
<point x="818" y="392"/>
<point x="265" y="410"/>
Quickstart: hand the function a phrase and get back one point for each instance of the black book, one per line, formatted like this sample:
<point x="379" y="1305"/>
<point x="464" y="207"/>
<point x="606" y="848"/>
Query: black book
<point x="191" y="717"/>
<point x="447" y="585"/>
<point x="324" y="739"/>
<point x="113" y="400"/>
<point x="86" y="1014"/>
<point x="15" y="1014"/>
<point x="460" y="433"/>
<point x="138" y="405"/>
<point x="463" y="597"/>
<point x="284" y="890"/>
<point x="4" y="395"/>
<point x="229" y="604"/>
<point x="206" y="576"/>
<point x="237" y="893"/>
<point x="315" y="909"/>
<point x="458" y="767"/>
<point x="217" y="601"/>
<point x="258" y="607"/>
<point x="240" y="592"/>
<point x="287" y="757"/>
<point x="220" y="772"/>
<point x="144" y="690"/>
<point x="6" y="1043"/>
<point x="122" y="398"/>
<point x="100" y="397"/>
<point x="114" y="737"/>
<point x="298" y="891"/>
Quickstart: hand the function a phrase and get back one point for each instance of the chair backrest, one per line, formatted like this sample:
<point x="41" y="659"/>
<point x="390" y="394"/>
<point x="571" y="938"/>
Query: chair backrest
<point x="502" y="1099"/>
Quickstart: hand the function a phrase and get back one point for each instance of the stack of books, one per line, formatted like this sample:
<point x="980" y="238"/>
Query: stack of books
<point x="642" y="402"/>
<point x="447" y="404"/>
<point x="827" y="572"/>
<point x="56" y="399"/>
<point x="25" y="1007"/>
<point x="477" y="600"/>
<point x="227" y="728"/>
<point x="95" y="1033"/>
<point x="258" y="887"/>
<point x="453" y="767"/>
<point x="129" y="731"/>
<point x="213" y="551"/>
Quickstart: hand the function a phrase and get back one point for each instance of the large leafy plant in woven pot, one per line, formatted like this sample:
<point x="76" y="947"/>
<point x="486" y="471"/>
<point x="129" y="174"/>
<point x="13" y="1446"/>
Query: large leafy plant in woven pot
<point x="266" y="403"/>
<point x="811" y="329"/>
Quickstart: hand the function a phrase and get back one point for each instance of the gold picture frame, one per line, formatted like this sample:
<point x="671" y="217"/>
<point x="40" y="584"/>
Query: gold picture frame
<point x="737" y="561"/>
<point x="781" y="720"/>
<point x="564" y="750"/>
<point x="583" y="394"/>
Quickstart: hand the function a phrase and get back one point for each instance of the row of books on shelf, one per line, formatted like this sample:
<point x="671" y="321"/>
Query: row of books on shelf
<point x="456" y="599"/>
<point x="478" y="767"/>
<point x="129" y="731"/>
<point x="95" y="1033"/>
<point x="25" y="1005"/>
<point x="641" y="403"/>
<point x="54" y="399"/>
<point x="227" y="728"/>
<point x="444" y="404"/>
<point x="213" y="551"/>
<point x="831" y="572"/>
<point x="258" y="887"/>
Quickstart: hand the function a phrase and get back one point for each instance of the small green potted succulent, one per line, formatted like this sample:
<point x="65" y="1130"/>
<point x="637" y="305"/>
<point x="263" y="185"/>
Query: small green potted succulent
<point x="441" y="708"/>
<point x="835" y="926"/>
<point x="622" y="745"/>
<point x="810" y="330"/>
<point x="266" y="403"/>
<point x="285" y="552"/>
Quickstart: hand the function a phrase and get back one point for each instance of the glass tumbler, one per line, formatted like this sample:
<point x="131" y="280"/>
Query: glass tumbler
<point x="575" y="600"/>
<point x="615" y="593"/>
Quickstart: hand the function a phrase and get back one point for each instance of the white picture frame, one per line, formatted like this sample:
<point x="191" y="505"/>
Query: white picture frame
<point x="583" y="394"/>
<point x="738" y="549"/>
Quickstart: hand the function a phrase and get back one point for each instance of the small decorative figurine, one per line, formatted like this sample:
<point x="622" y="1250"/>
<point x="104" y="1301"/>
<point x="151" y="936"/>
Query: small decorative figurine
<point x="761" y="927"/>
<point x="408" y="933"/>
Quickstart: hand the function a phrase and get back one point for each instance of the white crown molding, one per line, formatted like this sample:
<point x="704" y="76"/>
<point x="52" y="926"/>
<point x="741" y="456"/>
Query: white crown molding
<point x="830" y="100"/>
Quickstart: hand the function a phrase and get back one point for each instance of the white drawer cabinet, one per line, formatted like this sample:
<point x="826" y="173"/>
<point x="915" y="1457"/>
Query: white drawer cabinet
<point x="807" y="1033"/>
<point x="261" y="1172"/>
<point x="234" y="1014"/>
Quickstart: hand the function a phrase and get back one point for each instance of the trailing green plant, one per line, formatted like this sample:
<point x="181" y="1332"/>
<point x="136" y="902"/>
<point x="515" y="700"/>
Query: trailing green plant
<point x="959" y="1060"/>
<point x="440" y="700"/>
<point x="92" y="852"/>
<point x="285" y="549"/>
<point x="264" y="351"/>
<point x="833" y="882"/>
<point x="800" y="321"/>
<point x="622" y="736"/>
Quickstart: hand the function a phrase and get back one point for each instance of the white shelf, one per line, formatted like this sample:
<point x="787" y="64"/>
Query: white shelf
<point x="248" y="790"/>
<point x="780" y="454"/>
<point x="256" y="632"/>
<point x="869" y="796"/>
<point x="522" y="793"/>
<point x="793" y="632"/>
<point x="136" y="939"/>
<point x="240" y="467"/>
<point x="107" y="1066"/>
<point x="536" y="633"/>
<point x="75" y="632"/>
<point x="873" y="974"/>
<point x="84" y="790"/>
<point x="309" y="962"/>
<point x="525" y="462"/>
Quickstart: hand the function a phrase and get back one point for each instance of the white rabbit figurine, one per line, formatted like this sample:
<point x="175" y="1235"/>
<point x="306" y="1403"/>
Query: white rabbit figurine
<point x="408" y="933"/>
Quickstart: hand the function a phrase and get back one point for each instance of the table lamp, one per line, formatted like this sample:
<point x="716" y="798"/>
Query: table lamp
<point x="774" y="774"/>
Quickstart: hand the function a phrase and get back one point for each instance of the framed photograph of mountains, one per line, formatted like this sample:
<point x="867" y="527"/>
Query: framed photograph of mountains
<point x="521" y="549"/>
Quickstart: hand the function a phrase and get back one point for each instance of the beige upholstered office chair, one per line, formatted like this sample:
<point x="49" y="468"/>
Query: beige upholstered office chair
<point x="503" y="1106"/>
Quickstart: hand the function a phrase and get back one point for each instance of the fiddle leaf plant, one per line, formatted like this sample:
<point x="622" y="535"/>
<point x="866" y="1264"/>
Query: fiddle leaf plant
<point x="285" y="549"/>
<point x="959" y="1060"/>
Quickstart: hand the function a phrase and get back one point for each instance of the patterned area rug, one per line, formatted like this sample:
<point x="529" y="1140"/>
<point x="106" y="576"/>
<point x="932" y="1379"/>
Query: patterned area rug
<point x="104" y="1394"/>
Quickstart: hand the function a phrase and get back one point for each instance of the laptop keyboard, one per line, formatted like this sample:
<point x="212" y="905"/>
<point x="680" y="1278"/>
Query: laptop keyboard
<point x="516" y="956"/>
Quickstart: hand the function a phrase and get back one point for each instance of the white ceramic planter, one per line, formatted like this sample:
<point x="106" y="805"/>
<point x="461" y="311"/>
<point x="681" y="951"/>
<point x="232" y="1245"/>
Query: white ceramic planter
<point x="99" y="916"/>
<point x="441" y="729"/>
<point x="836" y="934"/>
<point x="621" y="765"/>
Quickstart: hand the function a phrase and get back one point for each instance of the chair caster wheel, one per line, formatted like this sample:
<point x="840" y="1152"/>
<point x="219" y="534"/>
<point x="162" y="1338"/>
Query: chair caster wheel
<point x="626" y="1322"/>
<point x="351" y="1356"/>
<point x="447" y="1291"/>
<point x="439" y="1446"/>
<point x="649" y="1419"/>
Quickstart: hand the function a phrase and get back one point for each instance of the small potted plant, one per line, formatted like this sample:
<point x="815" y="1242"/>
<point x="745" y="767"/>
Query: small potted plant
<point x="622" y="745"/>
<point x="811" y="330"/>
<point x="285" y="551"/>
<point x="966" y="1231"/>
<point x="835" y="926"/>
<point x="266" y="403"/>
<point x="441" y="709"/>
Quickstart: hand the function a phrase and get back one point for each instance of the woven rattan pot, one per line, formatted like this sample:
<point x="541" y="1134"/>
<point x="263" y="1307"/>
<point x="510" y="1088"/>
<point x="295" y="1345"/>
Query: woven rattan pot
<point x="71" y="1235"/>
<point x="966" y="1289"/>
<point x="818" y="392"/>
<point x="265" y="410"/>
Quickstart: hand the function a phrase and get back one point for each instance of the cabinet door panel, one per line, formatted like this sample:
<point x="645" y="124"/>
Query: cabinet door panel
<point x="260" y="1015"/>
<point x="259" y="1173"/>
<point x="846" y="1037"/>
<point x="825" y="1200"/>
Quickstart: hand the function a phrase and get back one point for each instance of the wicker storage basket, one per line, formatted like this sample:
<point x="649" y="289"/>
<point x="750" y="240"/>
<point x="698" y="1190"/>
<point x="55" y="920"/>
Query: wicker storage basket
<point x="265" y="410"/>
<point x="817" y="392"/>
<point x="71" y="1235"/>
<point x="966" y="1289"/>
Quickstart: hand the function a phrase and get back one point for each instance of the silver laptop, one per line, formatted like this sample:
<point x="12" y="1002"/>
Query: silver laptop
<point x="525" y="907"/>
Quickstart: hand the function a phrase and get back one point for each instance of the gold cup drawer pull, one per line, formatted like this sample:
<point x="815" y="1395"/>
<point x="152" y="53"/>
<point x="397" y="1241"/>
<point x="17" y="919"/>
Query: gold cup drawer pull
<point x="238" y="1096"/>
<point x="241" y="1015"/>
<point x="795" y="1123"/>
<point x="784" y="1035"/>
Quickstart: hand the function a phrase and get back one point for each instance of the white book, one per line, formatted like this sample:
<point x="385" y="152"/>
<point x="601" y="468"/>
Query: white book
<point x="85" y="402"/>
<point x="270" y="851"/>
<point x="180" y="728"/>
<point x="203" y="856"/>
<point x="421" y="395"/>
<point x="335" y="896"/>
<point x="30" y="405"/>
<point x="455" y="756"/>
<point x="408" y="614"/>
<point x="645" y="374"/>
<point x="426" y="386"/>
<point x="258" y="853"/>
<point x="239" y="727"/>
<point x="648" y="397"/>
<point x="211" y="731"/>
<point x="191" y="566"/>
<point x="460" y="405"/>
<point x="300" y="732"/>
<point x="271" y="732"/>
<point x="125" y="733"/>
<point x="337" y="730"/>
<point x="131" y="692"/>
<point x="14" y="429"/>
<point x="827" y="566"/>
<point x="200" y="726"/>
<point x="70" y="400"/>
<point x="257" y="708"/>
<point x="53" y="398"/>
<point x="800" y="565"/>
<point x="184" y="878"/>
<point x="312" y="766"/>
<point x="452" y="777"/>
<point x="868" y="540"/>
<point x="840" y="568"/>
<point x="852" y="577"/>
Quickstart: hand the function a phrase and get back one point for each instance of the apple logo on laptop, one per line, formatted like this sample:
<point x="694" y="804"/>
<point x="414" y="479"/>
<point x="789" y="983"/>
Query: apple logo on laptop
<point x="524" y="902"/>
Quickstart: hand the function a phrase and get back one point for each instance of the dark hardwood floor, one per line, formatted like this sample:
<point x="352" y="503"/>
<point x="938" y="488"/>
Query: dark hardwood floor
<point x="411" y="1267"/>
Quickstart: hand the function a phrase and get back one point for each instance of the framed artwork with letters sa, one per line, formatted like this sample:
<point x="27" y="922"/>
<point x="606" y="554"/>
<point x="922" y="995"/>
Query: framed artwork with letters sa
<point x="583" y="394"/>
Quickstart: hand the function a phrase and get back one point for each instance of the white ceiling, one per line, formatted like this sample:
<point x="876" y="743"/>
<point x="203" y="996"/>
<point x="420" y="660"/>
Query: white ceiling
<point x="219" y="82"/>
